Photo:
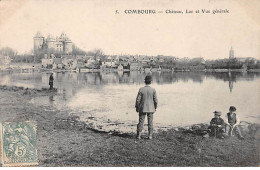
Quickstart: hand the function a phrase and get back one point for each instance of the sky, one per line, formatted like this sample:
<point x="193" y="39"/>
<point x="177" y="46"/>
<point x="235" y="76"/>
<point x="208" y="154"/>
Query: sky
<point x="94" y="24"/>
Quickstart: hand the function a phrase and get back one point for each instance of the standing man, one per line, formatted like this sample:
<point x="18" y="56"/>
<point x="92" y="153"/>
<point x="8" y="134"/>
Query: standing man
<point x="146" y="104"/>
<point x="51" y="79"/>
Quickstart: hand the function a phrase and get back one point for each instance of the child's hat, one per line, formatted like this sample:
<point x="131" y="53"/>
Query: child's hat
<point x="217" y="112"/>
<point x="232" y="108"/>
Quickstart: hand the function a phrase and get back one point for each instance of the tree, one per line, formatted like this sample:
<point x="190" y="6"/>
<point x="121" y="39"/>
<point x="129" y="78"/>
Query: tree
<point x="234" y="64"/>
<point x="98" y="53"/>
<point x="78" y="51"/>
<point x="8" y="51"/>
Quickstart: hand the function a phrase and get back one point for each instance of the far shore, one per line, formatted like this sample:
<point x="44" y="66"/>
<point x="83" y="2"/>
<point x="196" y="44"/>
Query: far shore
<point x="36" y="67"/>
<point x="64" y="140"/>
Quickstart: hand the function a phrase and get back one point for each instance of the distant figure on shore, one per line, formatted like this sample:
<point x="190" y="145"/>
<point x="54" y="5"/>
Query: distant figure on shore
<point x="51" y="79"/>
<point x="146" y="104"/>
<point x="232" y="122"/>
<point x="217" y="125"/>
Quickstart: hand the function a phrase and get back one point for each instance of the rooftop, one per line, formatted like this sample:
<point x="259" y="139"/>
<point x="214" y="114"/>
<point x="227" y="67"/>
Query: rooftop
<point x="38" y="35"/>
<point x="57" y="60"/>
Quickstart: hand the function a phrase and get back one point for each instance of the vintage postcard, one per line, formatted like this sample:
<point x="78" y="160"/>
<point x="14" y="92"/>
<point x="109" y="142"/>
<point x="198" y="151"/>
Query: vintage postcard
<point x="148" y="83"/>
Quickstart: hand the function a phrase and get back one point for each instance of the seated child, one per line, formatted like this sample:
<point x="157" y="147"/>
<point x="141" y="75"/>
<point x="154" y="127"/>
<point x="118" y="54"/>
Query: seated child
<point x="217" y="125"/>
<point x="232" y="122"/>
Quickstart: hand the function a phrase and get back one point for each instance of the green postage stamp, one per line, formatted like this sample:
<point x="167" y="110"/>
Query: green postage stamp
<point x="18" y="144"/>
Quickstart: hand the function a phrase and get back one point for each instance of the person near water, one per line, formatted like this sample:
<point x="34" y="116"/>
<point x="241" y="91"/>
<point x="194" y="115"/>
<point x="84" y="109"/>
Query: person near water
<point x="146" y="104"/>
<point x="51" y="79"/>
<point x="232" y="122"/>
<point x="217" y="126"/>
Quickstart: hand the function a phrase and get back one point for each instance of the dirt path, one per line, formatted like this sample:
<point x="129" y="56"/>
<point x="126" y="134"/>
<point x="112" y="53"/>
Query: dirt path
<point x="71" y="145"/>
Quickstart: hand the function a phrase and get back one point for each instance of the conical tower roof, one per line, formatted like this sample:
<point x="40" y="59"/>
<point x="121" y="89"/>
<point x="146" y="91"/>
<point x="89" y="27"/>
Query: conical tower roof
<point x="63" y="35"/>
<point x="67" y="39"/>
<point x="38" y="34"/>
<point x="50" y="38"/>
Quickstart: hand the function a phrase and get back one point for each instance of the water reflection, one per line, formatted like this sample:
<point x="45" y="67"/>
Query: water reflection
<point x="73" y="81"/>
<point x="51" y="99"/>
<point x="64" y="97"/>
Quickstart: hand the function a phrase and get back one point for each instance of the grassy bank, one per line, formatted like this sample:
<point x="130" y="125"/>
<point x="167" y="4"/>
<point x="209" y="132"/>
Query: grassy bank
<point x="65" y="141"/>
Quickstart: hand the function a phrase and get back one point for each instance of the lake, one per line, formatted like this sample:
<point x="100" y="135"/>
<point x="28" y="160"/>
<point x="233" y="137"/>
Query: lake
<point x="107" y="100"/>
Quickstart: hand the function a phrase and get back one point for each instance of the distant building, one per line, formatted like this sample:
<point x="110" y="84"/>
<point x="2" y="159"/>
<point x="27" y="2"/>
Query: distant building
<point x="247" y="60"/>
<point x="90" y="61"/>
<point x="47" y="61"/>
<point x="5" y="60"/>
<point x="161" y="60"/>
<point x="83" y="57"/>
<point x="69" y="61"/>
<point x="185" y="59"/>
<point x="136" y="66"/>
<point x="120" y="68"/>
<point x="109" y="63"/>
<point x="93" y="65"/>
<point x="126" y="66"/>
<point x="57" y="63"/>
<point x="231" y="53"/>
<point x="61" y="44"/>
<point x="66" y="61"/>
<point x="197" y="61"/>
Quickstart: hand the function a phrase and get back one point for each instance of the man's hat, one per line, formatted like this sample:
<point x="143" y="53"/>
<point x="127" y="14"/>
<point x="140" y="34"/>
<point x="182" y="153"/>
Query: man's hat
<point x="217" y="113"/>
<point x="148" y="78"/>
<point x="232" y="108"/>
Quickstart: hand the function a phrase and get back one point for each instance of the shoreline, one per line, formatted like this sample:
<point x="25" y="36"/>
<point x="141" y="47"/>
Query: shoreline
<point x="100" y="126"/>
<point x="24" y="69"/>
<point x="63" y="140"/>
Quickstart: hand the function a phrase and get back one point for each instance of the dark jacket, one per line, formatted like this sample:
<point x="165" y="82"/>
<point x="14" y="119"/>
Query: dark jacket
<point x="146" y="100"/>
<point x="51" y="79"/>
<point x="217" y="121"/>
<point x="215" y="130"/>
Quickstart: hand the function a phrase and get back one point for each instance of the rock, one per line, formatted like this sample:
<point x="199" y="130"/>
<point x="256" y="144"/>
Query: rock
<point x="200" y="126"/>
<point x="206" y="136"/>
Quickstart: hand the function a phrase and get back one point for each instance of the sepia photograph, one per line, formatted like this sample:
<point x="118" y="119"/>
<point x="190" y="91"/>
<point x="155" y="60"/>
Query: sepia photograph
<point x="120" y="83"/>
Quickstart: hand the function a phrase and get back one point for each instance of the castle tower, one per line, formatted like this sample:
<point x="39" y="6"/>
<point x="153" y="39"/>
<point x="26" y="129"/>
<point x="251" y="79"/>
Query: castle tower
<point x="50" y="42"/>
<point x="61" y="44"/>
<point x="231" y="53"/>
<point x="67" y="46"/>
<point x="62" y="36"/>
<point x="38" y="40"/>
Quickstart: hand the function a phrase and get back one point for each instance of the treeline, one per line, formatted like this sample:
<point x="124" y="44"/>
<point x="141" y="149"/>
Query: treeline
<point x="7" y="51"/>
<point x="24" y="58"/>
<point x="200" y="64"/>
<point x="39" y="54"/>
<point x="167" y="62"/>
<point x="234" y="63"/>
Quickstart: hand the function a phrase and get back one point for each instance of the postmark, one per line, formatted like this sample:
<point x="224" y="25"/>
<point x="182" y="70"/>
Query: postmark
<point x="18" y="144"/>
